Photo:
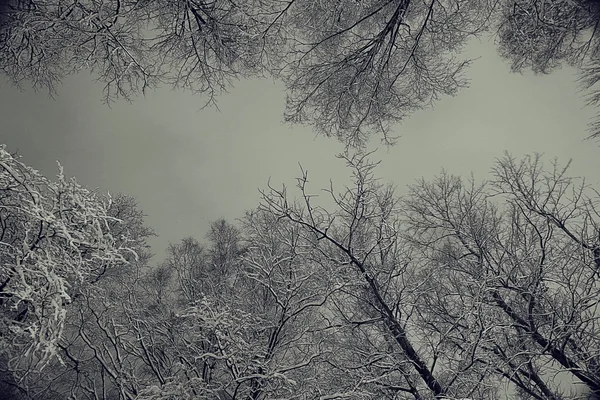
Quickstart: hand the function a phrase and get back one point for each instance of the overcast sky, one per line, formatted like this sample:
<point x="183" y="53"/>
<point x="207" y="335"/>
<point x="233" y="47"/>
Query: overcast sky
<point x="187" y="168"/>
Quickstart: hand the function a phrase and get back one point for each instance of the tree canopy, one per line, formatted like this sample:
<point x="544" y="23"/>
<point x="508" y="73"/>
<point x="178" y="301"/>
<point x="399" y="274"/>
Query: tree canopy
<point x="352" y="69"/>
<point x="458" y="290"/>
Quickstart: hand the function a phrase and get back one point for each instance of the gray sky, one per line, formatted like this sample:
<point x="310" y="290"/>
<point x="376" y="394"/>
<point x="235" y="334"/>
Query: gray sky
<point x="187" y="168"/>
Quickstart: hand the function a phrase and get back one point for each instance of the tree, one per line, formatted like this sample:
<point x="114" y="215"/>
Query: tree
<point x="364" y="248"/>
<point x="543" y="35"/>
<point x="55" y="240"/>
<point x="514" y="262"/>
<point x="458" y="289"/>
<point x="132" y="45"/>
<point x="93" y="346"/>
<point x="357" y="67"/>
<point x="286" y="287"/>
<point x="454" y="291"/>
<point x="245" y="324"/>
<point x="350" y="67"/>
<point x="234" y="319"/>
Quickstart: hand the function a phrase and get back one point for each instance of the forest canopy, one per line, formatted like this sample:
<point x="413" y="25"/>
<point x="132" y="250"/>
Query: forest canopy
<point x="458" y="290"/>
<point x="352" y="69"/>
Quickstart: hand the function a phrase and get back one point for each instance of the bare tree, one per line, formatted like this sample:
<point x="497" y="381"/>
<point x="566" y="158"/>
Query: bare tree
<point x="241" y="321"/>
<point x="514" y="263"/>
<point x="356" y="67"/>
<point x="362" y="241"/>
<point x="286" y="287"/>
<point x="132" y="45"/>
<point x="351" y="67"/>
<point x="94" y="360"/>
<point x="544" y="35"/>
<point x="460" y="288"/>
<point x="42" y="41"/>
<point x="55" y="240"/>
